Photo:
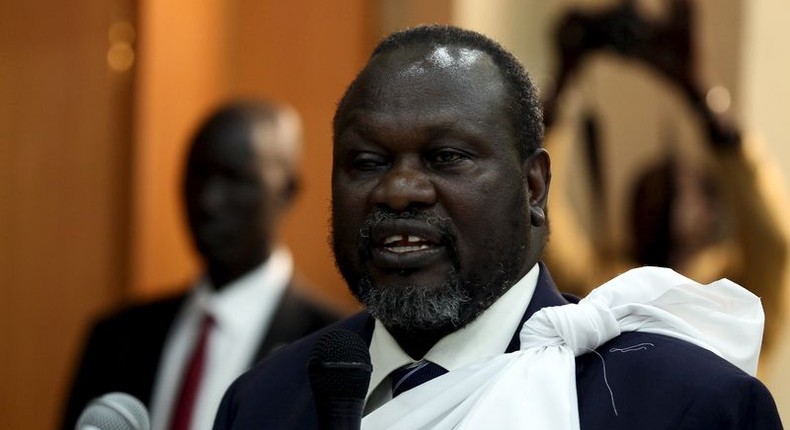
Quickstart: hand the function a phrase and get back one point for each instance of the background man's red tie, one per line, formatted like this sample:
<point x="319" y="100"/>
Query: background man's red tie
<point x="185" y="402"/>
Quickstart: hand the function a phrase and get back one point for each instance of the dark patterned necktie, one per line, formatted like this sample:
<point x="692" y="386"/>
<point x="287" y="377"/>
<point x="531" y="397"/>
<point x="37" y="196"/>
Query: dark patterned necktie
<point x="412" y="375"/>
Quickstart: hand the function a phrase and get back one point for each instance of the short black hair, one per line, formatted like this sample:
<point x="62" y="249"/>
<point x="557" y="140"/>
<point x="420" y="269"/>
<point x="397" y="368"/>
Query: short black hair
<point x="230" y="126"/>
<point x="525" y="106"/>
<point x="234" y="121"/>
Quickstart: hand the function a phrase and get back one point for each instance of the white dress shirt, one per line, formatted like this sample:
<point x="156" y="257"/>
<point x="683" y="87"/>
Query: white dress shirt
<point x="485" y="337"/>
<point x="242" y="312"/>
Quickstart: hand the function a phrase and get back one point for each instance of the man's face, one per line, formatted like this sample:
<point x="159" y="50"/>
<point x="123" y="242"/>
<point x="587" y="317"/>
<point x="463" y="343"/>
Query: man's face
<point x="226" y="204"/>
<point x="430" y="215"/>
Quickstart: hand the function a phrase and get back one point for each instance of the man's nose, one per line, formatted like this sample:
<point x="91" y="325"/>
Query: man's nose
<point x="405" y="185"/>
<point x="212" y="196"/>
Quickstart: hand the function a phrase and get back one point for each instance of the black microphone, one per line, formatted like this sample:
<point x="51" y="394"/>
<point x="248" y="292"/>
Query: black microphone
<point x="114" y="411"/>
<point x="339" y="370"/>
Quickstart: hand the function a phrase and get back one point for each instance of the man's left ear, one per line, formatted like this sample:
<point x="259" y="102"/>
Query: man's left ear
<point x="538" y="169"/>
<point x="288" y="192"/>
<point x="291" y="189"/>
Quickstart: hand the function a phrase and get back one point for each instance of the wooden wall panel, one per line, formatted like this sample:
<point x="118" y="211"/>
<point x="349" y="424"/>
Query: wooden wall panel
<point x="182" y="72"/>
<point x="63" y="193"/>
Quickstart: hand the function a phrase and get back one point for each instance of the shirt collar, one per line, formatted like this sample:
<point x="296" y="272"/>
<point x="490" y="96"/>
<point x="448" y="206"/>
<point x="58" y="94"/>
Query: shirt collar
<point x="237" y="305"/>
<point x="488" y="335"/>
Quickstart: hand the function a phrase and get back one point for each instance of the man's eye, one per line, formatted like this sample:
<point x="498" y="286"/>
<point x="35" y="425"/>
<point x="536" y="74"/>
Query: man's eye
<point x="448" y="157"/>
<point x="367" y="162"/>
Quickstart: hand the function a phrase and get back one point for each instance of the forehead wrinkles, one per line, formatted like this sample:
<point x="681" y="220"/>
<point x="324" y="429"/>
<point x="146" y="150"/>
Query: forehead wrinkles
<point x="425" y="77"/>
<point x="438" y="69"/>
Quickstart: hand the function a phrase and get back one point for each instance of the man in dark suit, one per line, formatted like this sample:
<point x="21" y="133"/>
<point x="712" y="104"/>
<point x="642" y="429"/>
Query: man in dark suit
<point x="439" y="191"/>
<point x="240" y="178"/>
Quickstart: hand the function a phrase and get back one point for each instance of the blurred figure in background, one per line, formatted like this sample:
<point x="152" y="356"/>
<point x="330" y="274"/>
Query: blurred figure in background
<point x="705" y="221"/>
<point x="178" y="355"/>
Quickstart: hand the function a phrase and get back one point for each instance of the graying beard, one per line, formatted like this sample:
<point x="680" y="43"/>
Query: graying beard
<point x="415" y="308"/>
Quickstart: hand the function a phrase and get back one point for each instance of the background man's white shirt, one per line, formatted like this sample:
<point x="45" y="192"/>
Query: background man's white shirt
<point x="242" y="312"/>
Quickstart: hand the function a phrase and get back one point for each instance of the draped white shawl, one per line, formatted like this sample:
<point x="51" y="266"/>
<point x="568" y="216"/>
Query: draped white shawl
<point x="535" y="387"/>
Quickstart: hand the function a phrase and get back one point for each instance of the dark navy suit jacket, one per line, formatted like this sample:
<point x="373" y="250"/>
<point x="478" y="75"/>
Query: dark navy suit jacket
<point x="123" y="351"/>
<point x="656" y="382"/>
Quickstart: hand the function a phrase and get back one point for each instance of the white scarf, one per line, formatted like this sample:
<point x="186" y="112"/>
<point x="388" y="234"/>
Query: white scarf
<point x="535" y="387"/>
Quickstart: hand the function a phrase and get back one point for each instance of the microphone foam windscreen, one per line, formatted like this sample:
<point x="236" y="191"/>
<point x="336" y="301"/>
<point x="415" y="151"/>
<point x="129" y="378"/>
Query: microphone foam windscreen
<point x="114" y="411"/>
<point x="339" y="366"/>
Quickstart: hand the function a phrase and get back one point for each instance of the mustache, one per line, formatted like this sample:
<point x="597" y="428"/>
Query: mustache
<point x="429" y="216"/>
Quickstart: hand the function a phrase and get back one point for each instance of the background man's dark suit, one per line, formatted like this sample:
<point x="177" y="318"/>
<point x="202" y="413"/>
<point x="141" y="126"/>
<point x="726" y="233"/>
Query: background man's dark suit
<point x="124" y="350"/>
<point x="657" y="383"/>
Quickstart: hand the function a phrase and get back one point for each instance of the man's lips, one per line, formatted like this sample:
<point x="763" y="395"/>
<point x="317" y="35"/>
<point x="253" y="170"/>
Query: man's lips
<point x="402" y="243"/>
<point x="406" y="244"/>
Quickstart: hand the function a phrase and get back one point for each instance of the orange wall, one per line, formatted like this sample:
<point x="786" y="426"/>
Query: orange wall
<point x="63" y="194"/>
<point x="182" y="71"/>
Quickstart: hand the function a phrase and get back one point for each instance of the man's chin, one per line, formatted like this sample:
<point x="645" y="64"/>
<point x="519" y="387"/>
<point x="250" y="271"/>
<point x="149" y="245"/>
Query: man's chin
<point x="398" y="324"/>
<point x="410" y="307"/>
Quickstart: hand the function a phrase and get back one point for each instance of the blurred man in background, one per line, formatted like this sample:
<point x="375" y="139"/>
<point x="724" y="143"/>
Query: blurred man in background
<point x="179" y="354"/>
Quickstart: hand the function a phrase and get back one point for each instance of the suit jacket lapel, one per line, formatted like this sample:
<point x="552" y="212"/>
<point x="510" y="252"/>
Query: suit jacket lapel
<point x="361" y="323"/>
<point x="545" y="295"/>
<point x="284" y="326"/>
